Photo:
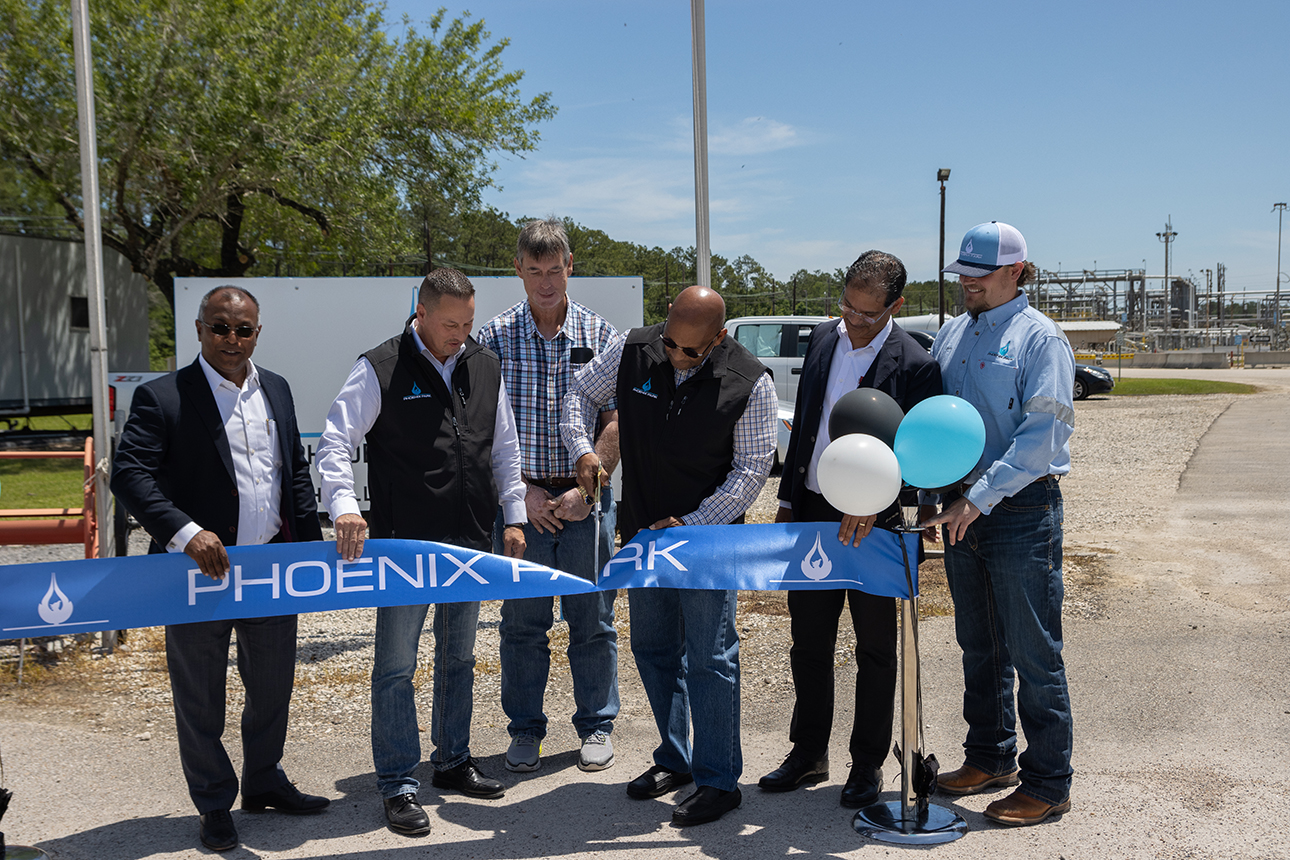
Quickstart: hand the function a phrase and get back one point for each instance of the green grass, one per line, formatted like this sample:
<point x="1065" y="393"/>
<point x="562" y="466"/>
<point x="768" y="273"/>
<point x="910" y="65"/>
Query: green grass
<point x="41" y="483"/>
<point x="1138" y="386"/>
<point x="55" y="423"/>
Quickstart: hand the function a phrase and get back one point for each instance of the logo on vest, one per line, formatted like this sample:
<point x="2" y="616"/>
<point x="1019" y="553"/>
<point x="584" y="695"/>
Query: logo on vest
<point x="645" y="389"/>
<point x="416" y="393"/>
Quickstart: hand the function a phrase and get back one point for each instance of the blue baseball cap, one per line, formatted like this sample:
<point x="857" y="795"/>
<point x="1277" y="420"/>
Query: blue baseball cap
<point x="988" y="247"/>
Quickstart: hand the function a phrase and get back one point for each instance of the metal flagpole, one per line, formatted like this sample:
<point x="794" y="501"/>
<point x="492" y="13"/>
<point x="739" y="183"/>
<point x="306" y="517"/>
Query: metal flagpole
<point x="93" y="272"/>
<point x="702" y="249"/>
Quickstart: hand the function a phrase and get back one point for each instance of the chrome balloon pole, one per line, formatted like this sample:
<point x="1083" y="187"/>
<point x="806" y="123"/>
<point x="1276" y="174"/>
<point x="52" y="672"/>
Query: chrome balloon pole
<point x="912" y="820"/>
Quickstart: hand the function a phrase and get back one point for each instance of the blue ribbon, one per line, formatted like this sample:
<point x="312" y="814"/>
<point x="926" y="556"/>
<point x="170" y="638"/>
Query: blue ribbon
<point x="59" y="598"/>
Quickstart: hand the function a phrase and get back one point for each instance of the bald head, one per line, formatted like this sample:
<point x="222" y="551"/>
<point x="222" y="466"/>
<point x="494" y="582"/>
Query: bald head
<point x="695" y="322"/>
<point x="698" y="306"/>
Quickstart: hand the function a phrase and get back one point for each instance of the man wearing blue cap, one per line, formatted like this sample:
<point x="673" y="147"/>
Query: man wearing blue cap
<point x="1003" y="527"/>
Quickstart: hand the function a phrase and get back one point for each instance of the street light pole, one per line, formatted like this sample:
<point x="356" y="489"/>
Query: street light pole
<point x="1280" y="209"/>
<point x="1167" y="236"/>
<point x="942" y="175"/>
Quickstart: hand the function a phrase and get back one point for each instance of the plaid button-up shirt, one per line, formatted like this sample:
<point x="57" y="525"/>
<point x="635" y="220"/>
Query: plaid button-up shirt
<point x="537" y="373"/>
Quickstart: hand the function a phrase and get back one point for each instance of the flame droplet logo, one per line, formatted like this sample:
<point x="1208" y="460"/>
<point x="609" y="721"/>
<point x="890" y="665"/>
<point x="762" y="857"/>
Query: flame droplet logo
<point x="819" y="568"/>
<point x="55" y="607"/>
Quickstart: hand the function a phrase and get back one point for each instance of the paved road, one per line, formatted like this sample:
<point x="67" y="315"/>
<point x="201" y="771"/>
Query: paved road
<point x="1182" y="718"/>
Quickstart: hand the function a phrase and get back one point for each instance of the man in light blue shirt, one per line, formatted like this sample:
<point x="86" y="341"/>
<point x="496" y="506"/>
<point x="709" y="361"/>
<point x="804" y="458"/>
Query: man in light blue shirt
<point x="1003" y="529"/>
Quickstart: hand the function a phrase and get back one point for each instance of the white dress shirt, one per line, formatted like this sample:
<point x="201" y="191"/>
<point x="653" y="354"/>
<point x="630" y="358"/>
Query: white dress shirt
<point x="355" y="411"/>
<point x="252" y="435"/>
<point x="846" y="370"/>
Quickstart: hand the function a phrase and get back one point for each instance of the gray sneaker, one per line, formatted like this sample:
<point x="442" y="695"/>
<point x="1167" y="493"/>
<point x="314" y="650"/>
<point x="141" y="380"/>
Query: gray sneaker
<point x="523" y="754"/>
<point x="597" y="752"/>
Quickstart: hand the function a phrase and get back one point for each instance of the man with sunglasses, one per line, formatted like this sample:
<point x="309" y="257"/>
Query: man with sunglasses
<point x="210" y="457"/>
<point x="696" y="418"/>
<point x="863" y="349"/>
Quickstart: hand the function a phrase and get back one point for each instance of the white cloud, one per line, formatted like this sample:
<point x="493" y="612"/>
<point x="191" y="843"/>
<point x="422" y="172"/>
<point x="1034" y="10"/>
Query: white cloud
<point x="752" y="136"/>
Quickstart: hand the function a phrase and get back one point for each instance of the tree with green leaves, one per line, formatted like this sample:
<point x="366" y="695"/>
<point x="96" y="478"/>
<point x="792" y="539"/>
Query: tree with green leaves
<point x="234" y="131"/>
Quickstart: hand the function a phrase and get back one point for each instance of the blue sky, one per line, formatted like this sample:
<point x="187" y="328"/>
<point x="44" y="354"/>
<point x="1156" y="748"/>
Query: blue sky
<point x="1085" y="125"/>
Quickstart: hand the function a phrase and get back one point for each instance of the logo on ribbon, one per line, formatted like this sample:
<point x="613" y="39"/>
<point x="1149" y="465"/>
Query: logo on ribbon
<point x="55" y="607"/>
<point x="820" y="567"/>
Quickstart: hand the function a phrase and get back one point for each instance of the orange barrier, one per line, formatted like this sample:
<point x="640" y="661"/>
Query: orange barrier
<point x="54" y="525"/>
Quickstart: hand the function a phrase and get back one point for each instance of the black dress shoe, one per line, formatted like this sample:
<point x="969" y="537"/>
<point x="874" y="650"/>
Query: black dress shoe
<point x="217" y="830"/>
<point x="796" y="770"/>
<point x="863" y="786"/>
<point x="288" y="799"/>
<point x="706" y="804"/>
<point x="405" y="815"/>
<point x="656" y="782"/>
<point x="469" y="780"/>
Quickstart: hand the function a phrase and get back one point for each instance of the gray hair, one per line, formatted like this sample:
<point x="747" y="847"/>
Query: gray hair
<point x="444" y="282"/>
<point x="246" y="294"/>
<point x="541" y="239"/>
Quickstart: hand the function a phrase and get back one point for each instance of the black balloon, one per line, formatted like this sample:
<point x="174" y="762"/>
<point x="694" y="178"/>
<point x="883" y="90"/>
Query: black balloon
<point x="866" y="410"/>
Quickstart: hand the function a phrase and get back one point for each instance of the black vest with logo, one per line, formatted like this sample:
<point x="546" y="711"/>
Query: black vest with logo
<point x="430" y="470"/>
<point x="677" y="442"/>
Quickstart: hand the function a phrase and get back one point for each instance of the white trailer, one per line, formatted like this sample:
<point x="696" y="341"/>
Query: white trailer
<point x="315" y="328"/>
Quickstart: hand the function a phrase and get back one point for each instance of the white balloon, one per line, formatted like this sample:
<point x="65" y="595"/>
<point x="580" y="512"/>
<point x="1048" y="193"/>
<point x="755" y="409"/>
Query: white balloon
<point x="859" y="474"/>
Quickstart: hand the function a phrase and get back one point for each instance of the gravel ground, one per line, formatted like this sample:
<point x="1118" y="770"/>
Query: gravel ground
<point x="1127" y="455"/>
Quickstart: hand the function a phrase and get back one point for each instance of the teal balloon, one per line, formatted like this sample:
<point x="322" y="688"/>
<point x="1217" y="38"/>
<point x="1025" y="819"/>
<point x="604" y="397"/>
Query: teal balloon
<point x="939" y="442"/>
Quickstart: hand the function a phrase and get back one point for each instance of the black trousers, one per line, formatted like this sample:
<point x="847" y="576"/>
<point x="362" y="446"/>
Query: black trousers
<point x="197" y="657"/>
<point x="815" y="617"/>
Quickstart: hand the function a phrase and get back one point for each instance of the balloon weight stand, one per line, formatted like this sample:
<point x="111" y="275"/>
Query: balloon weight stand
<point x="884" y="823"/>
<point x="24" y="852"/>
<point x="910" y="820"/>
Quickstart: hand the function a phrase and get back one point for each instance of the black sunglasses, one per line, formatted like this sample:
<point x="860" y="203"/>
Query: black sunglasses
<point x="688" y="350"/>
<point x="222" y="329"/>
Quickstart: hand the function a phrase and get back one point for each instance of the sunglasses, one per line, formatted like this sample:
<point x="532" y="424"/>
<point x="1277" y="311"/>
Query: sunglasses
<point x="222" y="329"/>
<point x="688" y="350"/>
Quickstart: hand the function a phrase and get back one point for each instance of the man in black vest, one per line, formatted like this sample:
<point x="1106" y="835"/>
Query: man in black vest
<point x="442" y="453"/>
<point x="863" y="349"/>
<point x="696" y="416"/>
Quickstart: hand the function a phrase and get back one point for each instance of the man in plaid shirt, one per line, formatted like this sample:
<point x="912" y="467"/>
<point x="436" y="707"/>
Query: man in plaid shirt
<point x="542" y="342"/>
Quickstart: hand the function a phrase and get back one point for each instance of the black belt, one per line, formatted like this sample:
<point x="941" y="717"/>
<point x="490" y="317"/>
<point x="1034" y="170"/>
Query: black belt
<point x="965" y="486"/>
<point x="557" y="483"/>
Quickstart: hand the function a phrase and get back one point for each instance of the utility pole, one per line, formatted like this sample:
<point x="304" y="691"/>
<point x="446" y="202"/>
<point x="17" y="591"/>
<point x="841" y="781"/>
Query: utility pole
<point x="1167" y="237"/>
<point x="942" y="175"/>
<point x="1280" y="209"/>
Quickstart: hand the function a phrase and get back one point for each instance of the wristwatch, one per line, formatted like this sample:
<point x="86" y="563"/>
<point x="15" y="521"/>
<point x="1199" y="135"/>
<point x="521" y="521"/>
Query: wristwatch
<point x="514" y="525"/>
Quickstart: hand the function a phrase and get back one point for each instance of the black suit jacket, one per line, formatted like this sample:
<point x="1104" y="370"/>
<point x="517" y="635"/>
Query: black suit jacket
<point x="902" y="369"/>
<point x="173" y="462"/>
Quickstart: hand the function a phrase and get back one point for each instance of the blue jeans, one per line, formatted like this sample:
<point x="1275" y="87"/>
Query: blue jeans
<point x="686" y="647"/>
<point x="593" y="641"/>
<point x="396" y="744"/>
<point x="1006" y="580"/>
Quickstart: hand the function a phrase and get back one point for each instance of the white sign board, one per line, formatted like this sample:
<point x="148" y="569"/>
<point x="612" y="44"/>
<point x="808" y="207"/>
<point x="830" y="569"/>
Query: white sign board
<point x="316" y="328"/>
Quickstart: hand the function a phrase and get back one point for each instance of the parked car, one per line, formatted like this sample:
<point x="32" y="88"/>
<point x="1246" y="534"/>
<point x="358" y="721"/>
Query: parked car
<point x="780" y="344"/>
<point x="925" y="339"/>
<point x="1090" y="379"/>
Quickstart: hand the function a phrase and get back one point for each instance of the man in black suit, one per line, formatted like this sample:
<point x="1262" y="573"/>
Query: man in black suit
<point x="862" y="349"/>
<point x="210" y="457"/>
